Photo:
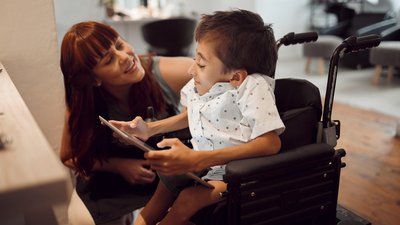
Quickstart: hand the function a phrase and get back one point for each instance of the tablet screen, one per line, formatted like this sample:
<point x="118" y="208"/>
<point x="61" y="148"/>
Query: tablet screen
<point x="131" y="139"/>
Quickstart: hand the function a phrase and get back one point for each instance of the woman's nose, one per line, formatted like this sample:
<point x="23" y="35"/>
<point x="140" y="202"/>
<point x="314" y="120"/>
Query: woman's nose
<point x="124" y="57"/>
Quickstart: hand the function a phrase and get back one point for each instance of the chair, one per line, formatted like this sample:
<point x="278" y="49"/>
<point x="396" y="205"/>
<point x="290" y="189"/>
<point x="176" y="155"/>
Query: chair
<point x="322" y="50"/>
<point x="297" y="186"/>
<point x="360" y="25"/>
<point x="169" y="37"/>
<point x="387" y="55"/>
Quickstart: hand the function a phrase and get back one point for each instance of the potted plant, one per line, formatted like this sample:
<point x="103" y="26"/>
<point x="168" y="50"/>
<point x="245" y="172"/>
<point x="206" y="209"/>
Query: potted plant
<point x="109" y="6"/>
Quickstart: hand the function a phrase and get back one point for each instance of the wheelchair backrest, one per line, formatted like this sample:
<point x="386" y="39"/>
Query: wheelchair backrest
<point x="299" y="105"/>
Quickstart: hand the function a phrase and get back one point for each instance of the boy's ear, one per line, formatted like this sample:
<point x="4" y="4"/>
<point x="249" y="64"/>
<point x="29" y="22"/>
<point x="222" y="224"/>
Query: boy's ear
<point x="238" y="77"/>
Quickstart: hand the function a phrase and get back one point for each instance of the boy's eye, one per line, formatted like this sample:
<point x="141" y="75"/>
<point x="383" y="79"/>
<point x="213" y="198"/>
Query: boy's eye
<point x="198" y="63"/>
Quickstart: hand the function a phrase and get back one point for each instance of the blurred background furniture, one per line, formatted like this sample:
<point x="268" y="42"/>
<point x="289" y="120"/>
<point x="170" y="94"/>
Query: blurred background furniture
<point x="361" y="22"/>
<point x="385" y="57"/>
<point x="169" y="37"/>
<point x="321" y="49"/>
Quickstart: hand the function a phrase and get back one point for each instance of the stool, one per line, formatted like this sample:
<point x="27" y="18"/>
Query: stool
<point x="386" y="55"/>
<point x="322" y="49"/>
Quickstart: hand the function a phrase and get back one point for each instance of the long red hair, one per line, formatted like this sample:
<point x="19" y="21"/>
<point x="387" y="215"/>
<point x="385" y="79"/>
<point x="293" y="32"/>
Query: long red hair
<point x="82" y="47"/>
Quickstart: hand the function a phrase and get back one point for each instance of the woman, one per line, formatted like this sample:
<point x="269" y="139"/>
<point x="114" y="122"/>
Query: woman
<point x="103" y="76"/>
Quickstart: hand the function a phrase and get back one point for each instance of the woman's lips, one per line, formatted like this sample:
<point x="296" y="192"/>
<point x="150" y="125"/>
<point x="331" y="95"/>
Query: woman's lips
<point x="131" y="67"/>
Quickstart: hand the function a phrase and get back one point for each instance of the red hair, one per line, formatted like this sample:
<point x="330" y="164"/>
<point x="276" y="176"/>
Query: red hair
<point x="82" y="47"/>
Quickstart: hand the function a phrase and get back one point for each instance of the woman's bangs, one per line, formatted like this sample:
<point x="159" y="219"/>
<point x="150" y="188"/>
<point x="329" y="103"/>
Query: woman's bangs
<point x="93" y="47"/>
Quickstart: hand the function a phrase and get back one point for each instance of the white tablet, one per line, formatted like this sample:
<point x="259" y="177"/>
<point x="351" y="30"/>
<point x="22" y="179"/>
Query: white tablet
<point x="145" y="147"/>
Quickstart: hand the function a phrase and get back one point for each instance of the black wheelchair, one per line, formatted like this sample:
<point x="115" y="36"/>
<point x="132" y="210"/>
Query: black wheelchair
<point x="299" y="185"/>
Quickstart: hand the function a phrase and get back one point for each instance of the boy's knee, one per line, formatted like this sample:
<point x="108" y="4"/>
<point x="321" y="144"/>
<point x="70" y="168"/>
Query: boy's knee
<point x="185" y="206"/>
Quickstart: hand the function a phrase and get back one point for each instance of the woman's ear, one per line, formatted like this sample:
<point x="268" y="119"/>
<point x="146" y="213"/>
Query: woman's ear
<point x="97" y="82"/>
<point x="238" y="77"/>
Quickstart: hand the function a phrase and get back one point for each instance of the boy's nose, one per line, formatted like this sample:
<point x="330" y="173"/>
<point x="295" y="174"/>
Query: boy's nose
<point x="191" y="70"/>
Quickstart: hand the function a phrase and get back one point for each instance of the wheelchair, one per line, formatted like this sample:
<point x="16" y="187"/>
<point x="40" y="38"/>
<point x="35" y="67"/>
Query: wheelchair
<point x="299" y="185"/>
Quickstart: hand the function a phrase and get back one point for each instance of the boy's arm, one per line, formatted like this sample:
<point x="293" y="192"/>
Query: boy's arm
<point x="180" y="159"/>
<point x="169" y="124"/>
<point x="139" y="128"/>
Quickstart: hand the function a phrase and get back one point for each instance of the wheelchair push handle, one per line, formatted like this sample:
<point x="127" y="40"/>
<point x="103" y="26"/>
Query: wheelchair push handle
<point x="350" y="44"/>
<point x="355" y="44"/>
<point x="293" y="38"/>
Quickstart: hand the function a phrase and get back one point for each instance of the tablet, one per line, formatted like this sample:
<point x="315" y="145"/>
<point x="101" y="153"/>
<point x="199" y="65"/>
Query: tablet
<point x="131" y="139"/>
<point x="145" y="147"/>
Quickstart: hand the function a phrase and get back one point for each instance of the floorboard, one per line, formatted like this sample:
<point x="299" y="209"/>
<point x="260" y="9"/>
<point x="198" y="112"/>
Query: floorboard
<point x="370" y="183"/>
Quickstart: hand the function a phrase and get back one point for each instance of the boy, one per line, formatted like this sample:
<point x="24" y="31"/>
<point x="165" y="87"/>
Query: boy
<point x="231" y="114"/>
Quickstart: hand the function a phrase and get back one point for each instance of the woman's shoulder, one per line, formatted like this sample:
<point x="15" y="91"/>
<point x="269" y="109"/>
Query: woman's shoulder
<point x="147" y="59"/>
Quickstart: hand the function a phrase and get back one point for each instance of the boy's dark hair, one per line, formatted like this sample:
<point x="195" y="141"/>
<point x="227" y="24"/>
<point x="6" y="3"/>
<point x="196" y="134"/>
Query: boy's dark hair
<point x="241" y="40"/>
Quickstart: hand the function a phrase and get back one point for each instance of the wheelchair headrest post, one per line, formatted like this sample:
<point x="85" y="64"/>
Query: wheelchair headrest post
<point x="350" y="44"/>
<point x="331" y="84"/>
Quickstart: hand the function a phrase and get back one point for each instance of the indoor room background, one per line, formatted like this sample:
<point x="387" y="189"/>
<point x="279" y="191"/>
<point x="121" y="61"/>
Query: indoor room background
<point x="31" y="33"/>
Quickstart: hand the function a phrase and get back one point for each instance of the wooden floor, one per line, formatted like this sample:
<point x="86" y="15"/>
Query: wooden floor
<point x="370" y="183"/>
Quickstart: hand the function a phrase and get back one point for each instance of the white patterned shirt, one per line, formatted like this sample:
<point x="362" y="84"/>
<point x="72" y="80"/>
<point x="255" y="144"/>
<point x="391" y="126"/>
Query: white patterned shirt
<point x="227" y="116"/>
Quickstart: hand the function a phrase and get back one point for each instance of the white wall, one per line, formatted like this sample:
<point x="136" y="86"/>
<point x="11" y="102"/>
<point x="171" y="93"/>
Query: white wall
<point x="285" y="18"/>
<point x="69" y="12"/>
<point x="28" y="51"/>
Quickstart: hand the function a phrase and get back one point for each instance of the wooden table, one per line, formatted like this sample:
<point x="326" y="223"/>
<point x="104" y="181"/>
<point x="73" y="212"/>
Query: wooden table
<point x="32" y="178"/>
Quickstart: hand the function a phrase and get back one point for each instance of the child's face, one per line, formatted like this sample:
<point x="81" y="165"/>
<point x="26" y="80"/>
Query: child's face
<point x="120" y="66"/>
<point x="207" y="68"/>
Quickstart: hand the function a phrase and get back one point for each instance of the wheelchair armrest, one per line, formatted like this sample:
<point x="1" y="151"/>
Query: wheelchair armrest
<point x="246" y="169"/>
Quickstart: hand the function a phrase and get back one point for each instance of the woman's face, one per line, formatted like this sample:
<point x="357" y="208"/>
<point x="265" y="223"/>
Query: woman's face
<point x="207" y="69"/>
<point x="120" y="66"/>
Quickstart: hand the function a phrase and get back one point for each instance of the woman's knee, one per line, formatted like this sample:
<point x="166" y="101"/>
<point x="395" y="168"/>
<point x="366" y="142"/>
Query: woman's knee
<point x="78" y="214"/>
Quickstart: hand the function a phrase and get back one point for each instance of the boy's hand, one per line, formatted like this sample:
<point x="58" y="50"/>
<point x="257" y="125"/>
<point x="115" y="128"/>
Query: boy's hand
<point x="177" y="160"/>
<point x="137" y="127"/>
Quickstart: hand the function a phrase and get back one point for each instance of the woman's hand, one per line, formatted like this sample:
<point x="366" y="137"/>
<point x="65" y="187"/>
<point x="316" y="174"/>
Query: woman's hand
<point x="177" y="160"/>
<point x="135" y="171"/>
<point x="137" y="127"/>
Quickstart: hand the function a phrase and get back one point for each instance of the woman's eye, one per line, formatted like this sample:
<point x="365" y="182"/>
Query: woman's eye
<point x="119" y="46"/>
<point x="109" y="60"/>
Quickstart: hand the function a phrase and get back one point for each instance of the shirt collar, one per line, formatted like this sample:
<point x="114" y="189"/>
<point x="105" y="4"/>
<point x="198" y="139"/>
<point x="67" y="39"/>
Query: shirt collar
<point x="216" y="90"/>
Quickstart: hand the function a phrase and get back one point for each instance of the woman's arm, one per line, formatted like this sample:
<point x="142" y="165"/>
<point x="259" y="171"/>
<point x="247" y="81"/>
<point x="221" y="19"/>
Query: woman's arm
<point x="174" y="70"/>
<point x="65" y="151"/>
<point x="180" y="159"/>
